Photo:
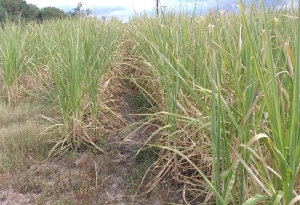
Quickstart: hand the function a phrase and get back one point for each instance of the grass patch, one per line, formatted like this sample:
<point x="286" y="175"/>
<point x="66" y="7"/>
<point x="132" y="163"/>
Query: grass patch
<point x="19" y="145"/>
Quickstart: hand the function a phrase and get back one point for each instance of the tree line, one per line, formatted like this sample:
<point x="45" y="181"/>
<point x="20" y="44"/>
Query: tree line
<point x="13" y="9"/>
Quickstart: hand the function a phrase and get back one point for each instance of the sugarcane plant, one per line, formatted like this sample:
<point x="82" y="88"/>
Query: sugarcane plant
<point x="12" y="58"/>
<point x="81" y="52"/>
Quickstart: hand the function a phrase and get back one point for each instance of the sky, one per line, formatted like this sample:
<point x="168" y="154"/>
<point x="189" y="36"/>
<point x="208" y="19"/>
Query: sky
<point x="124" y="9"/>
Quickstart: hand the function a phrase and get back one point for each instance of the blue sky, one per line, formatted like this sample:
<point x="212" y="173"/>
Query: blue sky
<point x="126" y="8"/>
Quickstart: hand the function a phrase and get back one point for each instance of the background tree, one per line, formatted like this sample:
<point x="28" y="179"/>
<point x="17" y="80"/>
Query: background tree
<point x="77" y="11"/>
<point x="30" y="12"/>
<point x="88" y="12"/>
<point x="3" y="13"/>
<point x="14" y="9"/>
<point x="50" y="13"/>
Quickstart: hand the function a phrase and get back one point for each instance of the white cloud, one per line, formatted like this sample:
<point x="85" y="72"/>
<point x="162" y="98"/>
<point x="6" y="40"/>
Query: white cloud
<point x="127" y="8"/>
<point x="137" y="4"/>
<point x="124" y="9"/>
<point x="116" y="13"/>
